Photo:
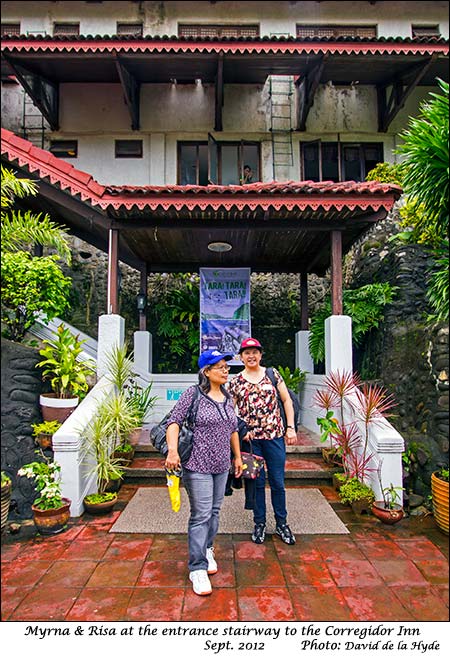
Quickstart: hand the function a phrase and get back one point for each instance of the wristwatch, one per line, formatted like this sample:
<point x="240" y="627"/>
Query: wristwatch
<point x="293" y="427"/>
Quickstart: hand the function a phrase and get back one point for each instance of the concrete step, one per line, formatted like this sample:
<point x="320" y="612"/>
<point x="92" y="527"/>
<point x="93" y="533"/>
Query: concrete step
<point x="147" y="468"/>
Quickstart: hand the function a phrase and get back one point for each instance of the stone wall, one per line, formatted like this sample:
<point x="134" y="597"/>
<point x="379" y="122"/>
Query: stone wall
<point x="406" y="354"/>
<point x="21" y="387"/>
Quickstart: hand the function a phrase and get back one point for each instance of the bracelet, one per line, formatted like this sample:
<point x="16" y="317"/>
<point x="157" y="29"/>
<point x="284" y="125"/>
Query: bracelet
<point x="293" y="427"/>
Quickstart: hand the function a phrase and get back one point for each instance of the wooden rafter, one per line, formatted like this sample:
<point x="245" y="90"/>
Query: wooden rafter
<point x="306" y="90"/>
<point x="401" y="89"/>
<point x="44" y="94"/>
<point x="132" y="91"/>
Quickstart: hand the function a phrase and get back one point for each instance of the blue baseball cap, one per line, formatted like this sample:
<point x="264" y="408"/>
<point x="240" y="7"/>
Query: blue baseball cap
<point x="211" y="356"/>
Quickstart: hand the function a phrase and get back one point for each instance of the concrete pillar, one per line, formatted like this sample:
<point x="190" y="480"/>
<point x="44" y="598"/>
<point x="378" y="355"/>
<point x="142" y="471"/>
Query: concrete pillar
<point x="111" y="332"/>
<point x="143" y="356"/>
<point x="303" y="359"/>
<point x="338" y="344"/>
<point x="157" y="159"/>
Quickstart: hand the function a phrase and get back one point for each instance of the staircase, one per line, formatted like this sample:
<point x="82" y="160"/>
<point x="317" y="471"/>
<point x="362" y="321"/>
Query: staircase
<point x="304" y="463"/>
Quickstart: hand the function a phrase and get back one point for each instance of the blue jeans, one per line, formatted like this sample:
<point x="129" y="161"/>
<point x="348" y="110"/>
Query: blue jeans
<point x="205" y="492"/>
<point x="274" y="453"/>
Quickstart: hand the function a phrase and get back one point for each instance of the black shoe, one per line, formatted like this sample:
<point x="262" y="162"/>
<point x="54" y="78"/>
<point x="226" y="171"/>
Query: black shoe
<point x="285" y="534"/>
<point x="259" y="533"/>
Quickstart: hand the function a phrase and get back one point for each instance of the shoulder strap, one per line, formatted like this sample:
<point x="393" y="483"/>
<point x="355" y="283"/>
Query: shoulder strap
<point x="271" y="375"/>
<point x="193" y="408"/>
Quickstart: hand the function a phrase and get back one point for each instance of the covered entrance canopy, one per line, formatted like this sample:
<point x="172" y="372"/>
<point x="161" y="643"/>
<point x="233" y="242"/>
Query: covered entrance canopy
<point x="395" y="66"/>
<point x="294" y="227"/>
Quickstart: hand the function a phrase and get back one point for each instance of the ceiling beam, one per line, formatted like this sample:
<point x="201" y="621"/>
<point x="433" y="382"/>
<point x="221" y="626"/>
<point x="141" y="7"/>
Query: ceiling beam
<point x="132" y="92"/>
<point x="44" y="94"/>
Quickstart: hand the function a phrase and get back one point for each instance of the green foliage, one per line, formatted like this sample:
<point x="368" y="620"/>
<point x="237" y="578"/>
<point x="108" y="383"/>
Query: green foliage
<point x="47" y="479"/>
<point x="391" y="496"/>
<point x="442" y="473"/>
<point x="292" y="379"/>
<point x="67" y="374"/>
<point x="45" y="428"/>
<point x="437" y="292"/>
<point x="386" y="173"/>
<point x="354" y="490"/>
<point x="5" y="479"/>
<point x="329" y="426"/>
<point x="426" y="156"/>
<point x="140" y="400"/>
<point x="100" y="498"/>
<point x="30" y="286"/>
<point x="98" y="444"/>
<point x="23" y="229"/>
<point x="177" y="316"/>
<point x="364" y="305"/>
<point x="120" y="366"/>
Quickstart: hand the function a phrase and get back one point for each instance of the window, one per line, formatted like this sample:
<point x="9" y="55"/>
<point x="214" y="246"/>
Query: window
<point x="129" y="29"/>
<point x="10" y="29"/>
<point x="361" y="31"/>
<point x="65" y="148"/>
<point x="66" y="29"/>
<point x="425" y="30"/>
<point x="128" y="148"/>
<point x="217" y="162"/>
<point x="337" y="161"/>
<point x="218" y="31"/>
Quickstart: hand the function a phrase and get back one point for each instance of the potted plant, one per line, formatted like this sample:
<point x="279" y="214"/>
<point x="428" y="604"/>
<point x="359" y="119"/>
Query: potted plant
<point x="66" y="373"/>
<point x="389" y="510"/>
<point x="358" y="495"/>
<point x="140" y="401"/>
<point x="43" y="433"/>
<point x="99" y="442"/>
<point x="51" y="511"/>
<point x="6" y="497"/>
<point x="439" y="497"/>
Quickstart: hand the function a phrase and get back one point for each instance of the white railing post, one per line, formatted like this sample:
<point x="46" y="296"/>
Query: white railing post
<point x="111" y="332"/>
<point x="303" y="359"/>
<point x="338" y="344"/>
<point x="143" y="356"/>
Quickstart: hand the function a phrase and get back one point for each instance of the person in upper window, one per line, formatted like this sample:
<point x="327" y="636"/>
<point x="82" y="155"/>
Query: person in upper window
<point x="247" y="177"/>
<point x="256" y="403"/>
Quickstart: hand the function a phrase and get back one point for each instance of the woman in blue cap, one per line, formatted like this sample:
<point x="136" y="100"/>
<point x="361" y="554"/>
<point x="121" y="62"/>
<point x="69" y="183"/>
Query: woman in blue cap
<point x="205" y="472"/>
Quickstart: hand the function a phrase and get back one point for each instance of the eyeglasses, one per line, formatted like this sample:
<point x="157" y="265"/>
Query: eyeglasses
<point x="224" y="367"/>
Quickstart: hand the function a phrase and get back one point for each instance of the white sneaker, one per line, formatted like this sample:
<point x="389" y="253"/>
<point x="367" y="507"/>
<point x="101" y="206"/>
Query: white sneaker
<point x="212" y="563"/>
<point x="200" y="582"/>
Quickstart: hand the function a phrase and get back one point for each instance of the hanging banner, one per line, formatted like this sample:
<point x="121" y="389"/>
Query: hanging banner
<point x="224" y="309"/>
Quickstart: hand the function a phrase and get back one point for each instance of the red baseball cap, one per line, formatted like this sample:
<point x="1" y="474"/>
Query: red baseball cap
<point x="250" y="342"/>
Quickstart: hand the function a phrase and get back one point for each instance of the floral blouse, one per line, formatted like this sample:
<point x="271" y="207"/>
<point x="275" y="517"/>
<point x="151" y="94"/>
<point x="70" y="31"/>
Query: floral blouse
<point x="257" y="404"/>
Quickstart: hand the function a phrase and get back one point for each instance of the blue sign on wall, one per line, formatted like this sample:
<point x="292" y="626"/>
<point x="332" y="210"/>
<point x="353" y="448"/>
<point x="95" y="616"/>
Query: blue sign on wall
<point x="173" y="394"/>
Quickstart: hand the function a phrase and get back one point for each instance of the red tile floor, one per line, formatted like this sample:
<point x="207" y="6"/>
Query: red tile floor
<point x="375" y="573"/>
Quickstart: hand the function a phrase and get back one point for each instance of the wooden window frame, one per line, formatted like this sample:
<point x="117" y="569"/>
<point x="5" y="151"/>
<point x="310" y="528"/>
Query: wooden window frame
<point x="240" y="144"/>
<point x="59" y="25"/>
<point x="341" y="145"/>
<point x="337" y="30"/>
<point x="219" y="27"/>
<point x="433" y="30"/>
<point x="124" y="155"/>
<point x="138" y="32"/>
<point x="61" y="153"/>
<point x="10" y="29"/>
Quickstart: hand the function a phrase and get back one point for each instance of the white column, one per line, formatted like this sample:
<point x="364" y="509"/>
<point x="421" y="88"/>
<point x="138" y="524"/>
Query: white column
<point x="303" y="359"/>
<point x="143" y="351"/>
<point x="338" y="344"/>
<point x="157" y="159"/>
<point x="111" y="332"/>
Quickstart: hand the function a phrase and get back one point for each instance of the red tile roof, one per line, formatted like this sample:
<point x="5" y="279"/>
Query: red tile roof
<point x="241" y="45"/>
<point x="301" y="195"/>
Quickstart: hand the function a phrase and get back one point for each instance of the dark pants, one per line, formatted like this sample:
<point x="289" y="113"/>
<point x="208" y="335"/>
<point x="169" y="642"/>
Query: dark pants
<point x="274" y="453"/>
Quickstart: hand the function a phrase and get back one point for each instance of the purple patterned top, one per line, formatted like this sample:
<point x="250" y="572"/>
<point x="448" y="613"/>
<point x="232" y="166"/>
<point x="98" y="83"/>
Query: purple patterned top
<point x="214" y="425"/>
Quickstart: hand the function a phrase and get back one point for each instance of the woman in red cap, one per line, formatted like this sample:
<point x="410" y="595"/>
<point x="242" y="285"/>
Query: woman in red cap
<point x="257" y="403"/>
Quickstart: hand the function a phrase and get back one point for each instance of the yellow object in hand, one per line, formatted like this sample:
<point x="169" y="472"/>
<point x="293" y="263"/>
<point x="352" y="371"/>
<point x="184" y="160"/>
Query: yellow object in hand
<point x="173" y="483"/>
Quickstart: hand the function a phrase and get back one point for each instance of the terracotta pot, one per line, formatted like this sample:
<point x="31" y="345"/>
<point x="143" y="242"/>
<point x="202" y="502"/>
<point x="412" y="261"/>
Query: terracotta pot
<point x="439" y="493"/>
<point x="135" y="436"/>
<point x="112" y="486"/>
<point x="362" y="506"/>
<point x="54" y="409"/>
<point x="52" y="521"/>
<point x="387" y="515"/>
<point x="44" y="440"/>
<point x="6" y="500"/>
<point x="125" y="458"/>
<point x="102" y="508"/>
